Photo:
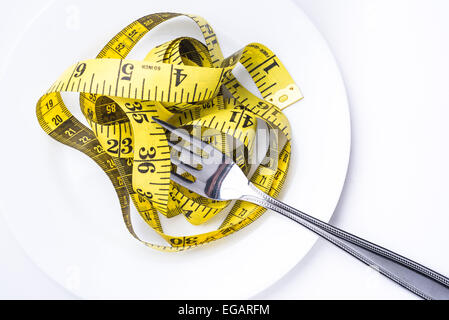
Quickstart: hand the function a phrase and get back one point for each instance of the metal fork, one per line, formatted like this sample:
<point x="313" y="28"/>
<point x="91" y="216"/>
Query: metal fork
<point x="219" y="178"/>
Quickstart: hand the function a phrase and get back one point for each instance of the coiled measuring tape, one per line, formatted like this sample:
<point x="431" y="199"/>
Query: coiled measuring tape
<point x="183" y="82"/>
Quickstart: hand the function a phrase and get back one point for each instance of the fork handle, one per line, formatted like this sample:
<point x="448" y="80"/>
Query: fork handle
<point x="415" y="277"/>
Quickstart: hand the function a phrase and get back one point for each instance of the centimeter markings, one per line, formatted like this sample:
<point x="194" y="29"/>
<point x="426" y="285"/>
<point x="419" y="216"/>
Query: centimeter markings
<point x="198" y="105"/>
<point x="74" y="134"/>
<point x="132" y="90"/>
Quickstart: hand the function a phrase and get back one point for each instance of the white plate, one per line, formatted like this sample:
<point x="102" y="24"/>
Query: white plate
<point x="63" y="209"/>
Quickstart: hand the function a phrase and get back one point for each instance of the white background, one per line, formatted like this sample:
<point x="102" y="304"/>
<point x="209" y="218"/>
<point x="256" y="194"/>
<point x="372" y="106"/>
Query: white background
<point x="394" y="57"/>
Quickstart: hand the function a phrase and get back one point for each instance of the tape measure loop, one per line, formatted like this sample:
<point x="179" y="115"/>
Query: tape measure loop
<point x="187" y="83"/>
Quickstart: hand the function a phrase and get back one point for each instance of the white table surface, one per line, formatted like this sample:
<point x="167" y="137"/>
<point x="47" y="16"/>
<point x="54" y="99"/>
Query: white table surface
<point x="394" y="57"/>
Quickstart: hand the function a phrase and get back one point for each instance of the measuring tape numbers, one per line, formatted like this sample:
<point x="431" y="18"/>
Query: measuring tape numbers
<point x="189" y="84"/>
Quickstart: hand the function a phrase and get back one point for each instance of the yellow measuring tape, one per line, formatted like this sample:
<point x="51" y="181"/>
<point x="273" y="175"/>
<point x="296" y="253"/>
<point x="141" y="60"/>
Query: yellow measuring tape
<point x="186" y="83"/>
